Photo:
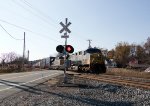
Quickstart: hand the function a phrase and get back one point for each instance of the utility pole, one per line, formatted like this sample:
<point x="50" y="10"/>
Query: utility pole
<point x="89" y="43"/>
<point x="23" y="53"/>
<point x="28" y="58"/>
<point x="28" y="55"/>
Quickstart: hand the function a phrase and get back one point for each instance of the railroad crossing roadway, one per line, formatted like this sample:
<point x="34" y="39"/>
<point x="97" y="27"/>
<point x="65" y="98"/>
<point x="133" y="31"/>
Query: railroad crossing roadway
<point x="15" y="82"/>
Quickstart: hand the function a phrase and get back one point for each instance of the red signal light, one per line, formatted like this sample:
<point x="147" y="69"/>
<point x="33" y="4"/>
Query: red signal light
<point x="69" y="49"/>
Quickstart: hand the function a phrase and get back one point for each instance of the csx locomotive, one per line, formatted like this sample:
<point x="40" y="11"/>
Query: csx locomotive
<point x="90" y="60"/>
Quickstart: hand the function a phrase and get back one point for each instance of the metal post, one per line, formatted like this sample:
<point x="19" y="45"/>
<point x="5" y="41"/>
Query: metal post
<point x="28" y="55"/>
<point x="49" y="62"/>
<point x="65" y="76"/>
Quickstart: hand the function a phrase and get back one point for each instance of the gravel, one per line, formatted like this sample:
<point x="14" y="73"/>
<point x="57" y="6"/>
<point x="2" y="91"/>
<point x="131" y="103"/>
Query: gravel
<point x="78" y="92"/>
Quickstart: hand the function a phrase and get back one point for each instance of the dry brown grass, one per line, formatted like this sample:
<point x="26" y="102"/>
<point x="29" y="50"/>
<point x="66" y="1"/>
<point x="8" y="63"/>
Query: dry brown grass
<point x="127" y="73"/>
<point x="14" y="70"/>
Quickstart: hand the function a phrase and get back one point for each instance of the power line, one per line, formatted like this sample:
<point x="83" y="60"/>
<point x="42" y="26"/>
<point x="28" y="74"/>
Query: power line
<point x="37" y="10"/>
<point x="40" y="12"/>
<point x="29" y="30"/>
<point x="43" y="19"/>
<point x="15" y="25"/>
<point x="9" y="33"/>
<point x="37" y="16"/>
<point x="41" y="16"/>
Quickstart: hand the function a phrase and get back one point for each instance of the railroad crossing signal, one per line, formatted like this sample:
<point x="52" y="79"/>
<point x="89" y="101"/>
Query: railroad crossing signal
<point x="65" y="27"/>
<point x="69" y="49"/>
<point x="60" y="48"/>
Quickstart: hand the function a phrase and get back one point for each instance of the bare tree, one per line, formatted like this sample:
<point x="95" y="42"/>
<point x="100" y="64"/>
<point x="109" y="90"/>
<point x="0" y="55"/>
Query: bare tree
<point x="3" y="58"/>
<point x="11" y="57"/>
<point x="147" y="45"/>
<point x="8" y="57"/>
<point x="147" y="49"/>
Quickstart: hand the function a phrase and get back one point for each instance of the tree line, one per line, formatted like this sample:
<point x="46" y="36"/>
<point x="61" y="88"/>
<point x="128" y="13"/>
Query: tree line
<point x="122" y="53"/>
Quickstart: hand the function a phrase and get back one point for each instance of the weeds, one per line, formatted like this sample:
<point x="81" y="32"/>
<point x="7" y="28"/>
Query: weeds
<point x="128" y="72"/>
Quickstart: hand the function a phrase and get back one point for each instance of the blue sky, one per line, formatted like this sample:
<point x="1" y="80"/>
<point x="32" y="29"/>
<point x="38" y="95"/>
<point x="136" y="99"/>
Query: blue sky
<point x="105" y="22"/>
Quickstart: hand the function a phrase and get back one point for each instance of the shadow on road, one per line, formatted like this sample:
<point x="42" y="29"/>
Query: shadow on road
<point x="19" y="86"/>
<point x="64" y="95"/>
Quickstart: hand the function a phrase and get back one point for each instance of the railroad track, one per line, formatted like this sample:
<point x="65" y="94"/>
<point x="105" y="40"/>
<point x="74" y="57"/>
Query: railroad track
<point x="134" y="82"/>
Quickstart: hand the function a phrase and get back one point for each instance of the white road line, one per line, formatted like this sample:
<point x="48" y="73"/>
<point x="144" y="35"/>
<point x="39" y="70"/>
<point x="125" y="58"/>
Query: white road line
<point x="1" y="84"/>
<point x="27" y="82"/>
<point x="24" y="75"/>
<point x="6" y="74"/>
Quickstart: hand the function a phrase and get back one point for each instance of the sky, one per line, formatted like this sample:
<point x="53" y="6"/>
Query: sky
<point x="105" y="22"/>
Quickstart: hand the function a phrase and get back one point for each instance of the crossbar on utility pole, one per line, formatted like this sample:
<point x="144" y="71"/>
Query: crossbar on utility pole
<point x="89" y="43"/>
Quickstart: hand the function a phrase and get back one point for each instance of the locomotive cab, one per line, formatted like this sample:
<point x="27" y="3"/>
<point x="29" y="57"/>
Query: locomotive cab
<point x="97" y="63"/>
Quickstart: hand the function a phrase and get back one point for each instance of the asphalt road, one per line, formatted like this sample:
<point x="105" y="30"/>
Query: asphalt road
<point x="15" y="82"/>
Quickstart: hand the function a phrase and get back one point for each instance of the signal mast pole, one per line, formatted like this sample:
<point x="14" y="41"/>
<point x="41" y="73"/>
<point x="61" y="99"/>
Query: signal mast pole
<point x="65" y="60"/>
<point x="65" y="28"/>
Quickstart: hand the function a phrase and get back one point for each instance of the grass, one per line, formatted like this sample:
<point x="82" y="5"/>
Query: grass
<point x="128" y="73"/>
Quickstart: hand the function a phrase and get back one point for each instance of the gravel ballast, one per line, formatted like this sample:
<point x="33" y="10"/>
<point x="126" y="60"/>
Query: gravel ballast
<point x="78" y="92"/>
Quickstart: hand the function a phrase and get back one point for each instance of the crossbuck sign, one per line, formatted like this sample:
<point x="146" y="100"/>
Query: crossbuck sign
<point x="65" y="26"/>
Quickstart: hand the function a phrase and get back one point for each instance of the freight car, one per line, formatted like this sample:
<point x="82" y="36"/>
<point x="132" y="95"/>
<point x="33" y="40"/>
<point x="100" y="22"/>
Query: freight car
<point x="41" y="63"/>
<point x="56" y="63"/>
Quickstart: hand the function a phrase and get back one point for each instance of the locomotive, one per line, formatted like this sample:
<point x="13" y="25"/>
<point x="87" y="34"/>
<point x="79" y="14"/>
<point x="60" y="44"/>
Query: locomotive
<point x="90" y="60"/>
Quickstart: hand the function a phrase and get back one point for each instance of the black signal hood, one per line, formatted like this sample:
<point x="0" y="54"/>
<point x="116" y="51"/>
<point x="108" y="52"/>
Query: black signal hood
<point x="93" y="50"/>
